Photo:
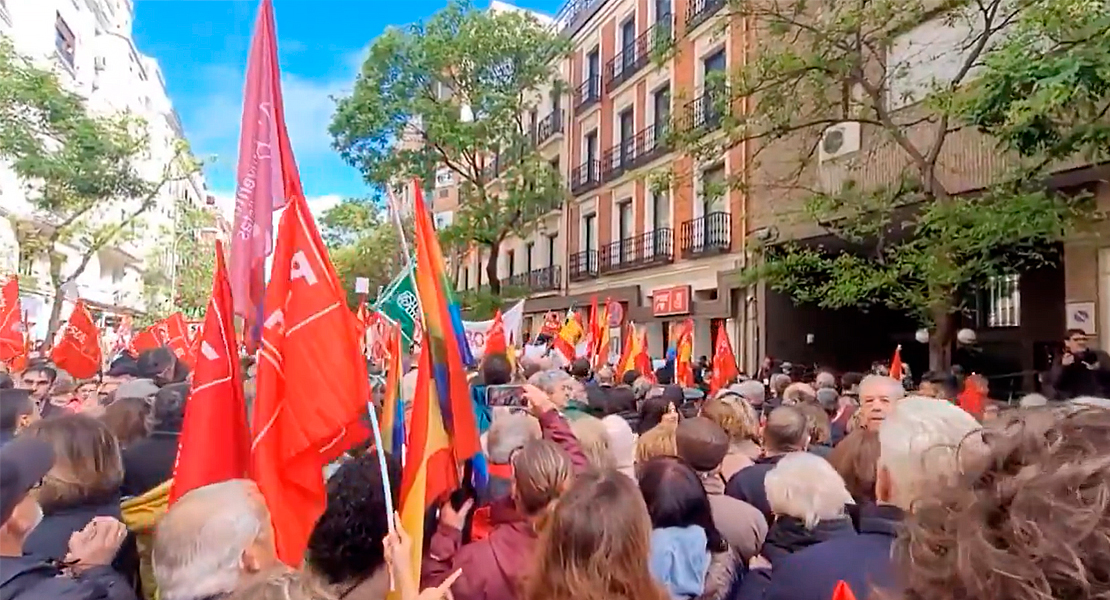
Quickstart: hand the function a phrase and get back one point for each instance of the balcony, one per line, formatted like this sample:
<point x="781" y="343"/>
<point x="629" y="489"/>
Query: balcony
<point x="702" y="114"/>
<point x="582" y="266"/>
<point x="587" y="93"/>
<point x="637" y="54"/>
<point x="498" y="164"/>
<point x="548" y="127"/>
<point x="647" y="145"/>
<point x="699" y="11"/>
<point x="585" y="177"/>
<point x="638" y="252"/>
<point x="706" y="236"/>
<point x="547" y="279"/>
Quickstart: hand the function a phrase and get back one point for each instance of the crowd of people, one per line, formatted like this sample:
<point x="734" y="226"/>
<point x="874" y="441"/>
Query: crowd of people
<point x="603" y="486"/>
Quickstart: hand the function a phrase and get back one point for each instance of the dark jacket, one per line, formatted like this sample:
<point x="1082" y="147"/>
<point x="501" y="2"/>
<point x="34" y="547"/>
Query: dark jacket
<point x="492" y="568"/>
<point x="149" y="462"/>
<point x="5" y="437"/>
<point x="862" y="561"/>
<point x="50" y="539"/>
<point x="1079" y="378"/>
<point x="787" y="536"/>
<point x="28" y="578"/>
<point x="748" y="485"/>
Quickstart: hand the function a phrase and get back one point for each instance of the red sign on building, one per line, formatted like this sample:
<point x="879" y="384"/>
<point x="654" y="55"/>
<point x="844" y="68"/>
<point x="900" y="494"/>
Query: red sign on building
<point x="671" y="301"/>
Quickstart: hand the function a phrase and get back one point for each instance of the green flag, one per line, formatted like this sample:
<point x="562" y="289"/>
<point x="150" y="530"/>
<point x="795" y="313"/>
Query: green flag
<point x="399" y="303"/>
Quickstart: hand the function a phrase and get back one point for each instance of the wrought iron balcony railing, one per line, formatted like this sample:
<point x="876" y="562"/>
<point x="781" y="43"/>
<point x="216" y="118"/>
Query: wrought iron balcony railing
<point x="585" y="177"/>
<point x="547" y="279"/>
<point x="587" y="93"/>
<point x="702" y="113"/>
<point x="638" y="252"/>
<point x="549" y="127"/>
<point x="638" y="53"/>
<point x="707" y="235"/>
<point x="645" y="146"/>
<point x="582" y="265"/>
<point x="699" y="11"/>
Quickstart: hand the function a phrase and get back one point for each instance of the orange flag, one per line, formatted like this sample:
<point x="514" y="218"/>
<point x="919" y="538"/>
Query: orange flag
<point x="843" y="591"/>
<point x="11" y="314"/>
<point x="78" y="351"/>
<point x="683" y="365"/>
<point x="896" y="369"/>
<point x="312" y="393"/>
<point x="724" y="361"/>
<point x="495" y="341"/>
<point x="215" y="438"/>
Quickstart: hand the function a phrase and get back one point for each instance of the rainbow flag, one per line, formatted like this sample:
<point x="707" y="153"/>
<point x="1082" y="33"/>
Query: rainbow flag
<point x="393" y="411"/>
<point x="444" y="339"/>
<point x="430" y="471"/>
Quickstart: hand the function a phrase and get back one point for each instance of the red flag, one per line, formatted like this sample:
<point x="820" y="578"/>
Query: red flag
<point x="78" y="350"/>
<point x="266" y="177"/>
<point x="172" y="332"/>
<point x="843" y="591"/>
<point x="724" y="361"/>
<point x="11" y="313"/>
<point x="896" y="363"/>
<point x="601" y="345"/>
<point x="311" y="392"/>
<point x="215" y="438"/>
<point x="495" y="340"/>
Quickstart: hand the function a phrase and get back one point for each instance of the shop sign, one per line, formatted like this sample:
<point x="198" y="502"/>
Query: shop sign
<point x="671" y="301"/>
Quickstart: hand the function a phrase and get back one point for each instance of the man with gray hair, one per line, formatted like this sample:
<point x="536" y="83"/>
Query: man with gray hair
<point x="566" y="392"/>
<point x="211" y="539"/>
<point x="918" y="450"/>
<point x="878" y="394"/>
<point x="750" y="390"/>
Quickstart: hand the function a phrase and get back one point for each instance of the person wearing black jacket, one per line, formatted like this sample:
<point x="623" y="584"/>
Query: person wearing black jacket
<point x="87" y="573"/>
<point x="1080" y="371"/>
<point x="786" y="431"/>
<point x="148" y="463"/>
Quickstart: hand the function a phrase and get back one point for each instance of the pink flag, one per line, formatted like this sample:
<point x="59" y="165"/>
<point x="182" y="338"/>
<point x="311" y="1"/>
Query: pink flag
<point x="267" y="175"/>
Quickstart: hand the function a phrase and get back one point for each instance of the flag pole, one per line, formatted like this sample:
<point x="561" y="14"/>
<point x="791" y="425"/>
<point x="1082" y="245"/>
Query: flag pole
<point x="392" y="199"/>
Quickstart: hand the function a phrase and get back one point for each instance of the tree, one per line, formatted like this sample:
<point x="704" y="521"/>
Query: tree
<point x="81" y="172"/>
<point x="362" y="242"/>
<point x="911" y="245"/>
<point x="1044" y="91"/>
<point x="453" y="93"/>
<point x="186" y="284"/>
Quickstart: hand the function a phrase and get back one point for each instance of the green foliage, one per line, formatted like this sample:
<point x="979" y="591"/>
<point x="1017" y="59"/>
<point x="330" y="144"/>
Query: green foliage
<point x="1045" y="91"/>
<point x="80" y="170"/>
<point x="362" y="242"/>
<point x="195" y="252"/>
<point x="910" y="245"/>
<point x="453" y="93"/>
<point x="482" y="303"/>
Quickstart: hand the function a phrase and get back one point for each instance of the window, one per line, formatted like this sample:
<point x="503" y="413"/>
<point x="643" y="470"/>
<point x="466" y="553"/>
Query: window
<point x="628" y="43"/>
<point x="627" y="135"/>
<point x="555" y="100"/>
<point x="593" y="67"/>
<point x="932" y="51"/>
<point x="510" y="260"/>
<point x="533" y="121"/>
<point x="529" y="251"/>
<point x="551" y="250"/>
<point x="443" y="192"/>
<point x="661" y="210"/>
<point x="1001" y="298"/>
<point x="591" y="156"/>
<point x="588" y="223"/>
<point x="661" y="100"/>
<point x="662" y="10"/>
<point x="624" y="231"/>
<point x="64" y="41"/>
<point x="714" y="62"/>
<point x="466" y="278"/>
<point x="712" y="189"/>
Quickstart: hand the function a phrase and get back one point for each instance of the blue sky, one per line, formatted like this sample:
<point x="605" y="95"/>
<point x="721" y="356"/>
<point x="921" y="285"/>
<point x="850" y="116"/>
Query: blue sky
<point x="202" y="46"/>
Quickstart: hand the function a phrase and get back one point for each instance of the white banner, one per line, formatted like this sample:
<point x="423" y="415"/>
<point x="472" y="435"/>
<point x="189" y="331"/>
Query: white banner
<point x="476" y="331"/>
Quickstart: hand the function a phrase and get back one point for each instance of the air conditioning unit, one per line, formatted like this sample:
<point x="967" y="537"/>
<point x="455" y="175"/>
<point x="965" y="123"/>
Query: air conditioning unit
<point x="839" y="140"/>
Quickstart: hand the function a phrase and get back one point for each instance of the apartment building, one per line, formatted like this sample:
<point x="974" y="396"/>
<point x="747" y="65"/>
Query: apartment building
<point x="642" y="224"/>
<point x="89" y="44"/>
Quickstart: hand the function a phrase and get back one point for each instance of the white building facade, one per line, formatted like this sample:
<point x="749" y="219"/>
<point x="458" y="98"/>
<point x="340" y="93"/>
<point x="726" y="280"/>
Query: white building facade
<point x="89" y="45"/>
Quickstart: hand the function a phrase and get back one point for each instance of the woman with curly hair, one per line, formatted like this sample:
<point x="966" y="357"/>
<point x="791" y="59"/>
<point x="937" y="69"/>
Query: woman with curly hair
<point x="582" y="557"/>
<point x="345" y="548"/>
<point x="1027" y="520"/>
<point x="739" y="420"/>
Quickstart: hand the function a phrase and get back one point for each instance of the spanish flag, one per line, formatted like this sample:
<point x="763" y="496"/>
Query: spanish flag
<point x="569" y="335"/>
<point x="683" y="364"/>
<point x="430" y="472"/>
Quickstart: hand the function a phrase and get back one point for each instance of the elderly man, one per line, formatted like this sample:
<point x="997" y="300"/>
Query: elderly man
<point x="786" y="431"/>
<point x="89" y="574"/>
<point x="211" y="539"/>
<point x="918" y="444"/>
<point x="567" y="393"/>
<point x="750" y="390"/>
<point x="878" y="394"/>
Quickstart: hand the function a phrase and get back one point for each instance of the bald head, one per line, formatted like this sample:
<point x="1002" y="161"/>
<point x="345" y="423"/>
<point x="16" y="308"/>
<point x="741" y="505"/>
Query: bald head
<point x="210" y="538"/>
<point x="785" y="431"/>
